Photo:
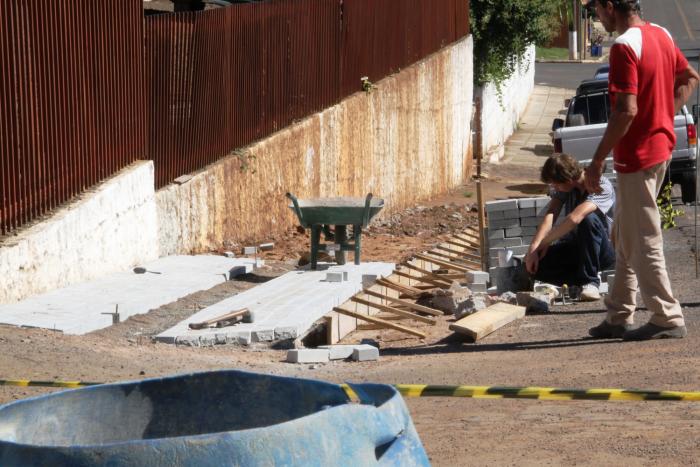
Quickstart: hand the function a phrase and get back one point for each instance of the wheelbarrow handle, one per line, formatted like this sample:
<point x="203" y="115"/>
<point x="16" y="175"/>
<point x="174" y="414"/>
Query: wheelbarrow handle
<point x="297" y="209"/>
<point x="368" y="201"/>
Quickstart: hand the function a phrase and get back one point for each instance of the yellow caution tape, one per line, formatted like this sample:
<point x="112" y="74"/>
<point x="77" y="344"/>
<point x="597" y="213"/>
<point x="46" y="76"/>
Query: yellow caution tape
<point x="46" y="384"/>
<point x="560" y="394"/>
<point x="475" y="392"/>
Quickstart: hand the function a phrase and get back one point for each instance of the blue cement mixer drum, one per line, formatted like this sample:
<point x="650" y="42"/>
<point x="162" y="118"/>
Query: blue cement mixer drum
<point x="212" y="419"/>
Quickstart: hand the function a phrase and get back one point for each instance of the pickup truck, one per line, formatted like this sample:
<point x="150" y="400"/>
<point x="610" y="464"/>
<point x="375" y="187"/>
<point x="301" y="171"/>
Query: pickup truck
<point x="587" y="116"/>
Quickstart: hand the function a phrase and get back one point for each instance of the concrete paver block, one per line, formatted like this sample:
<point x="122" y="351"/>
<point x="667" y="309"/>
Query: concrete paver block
<point x="530" y="221"/>
<point x="495" y="215"/>
<point x="477" y="277"/>
<point x="525" y="203"/>
<point x="339" y="351"/>
<point x="511" y="214"/>
<point x="528" y="212"/>
<point x="504" y="223"/>
<point x="542" y="201"/>
<point x="250" y="250"/>
<point x="501" y="205"/>
<point x="308" y="355"/>
<point x="478" y="288"/>
<point x="364" y="353"/>
<point x="528" y="230"/>
<point x="496" y="233"/>
<point x="334" y="276"/>
<point x="514" y="232"/>
<point x="506" y="242"/>
<point x="520" y="250"/>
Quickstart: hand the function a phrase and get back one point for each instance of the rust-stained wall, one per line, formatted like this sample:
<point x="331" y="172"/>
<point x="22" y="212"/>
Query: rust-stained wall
<point x="407" y="140"/>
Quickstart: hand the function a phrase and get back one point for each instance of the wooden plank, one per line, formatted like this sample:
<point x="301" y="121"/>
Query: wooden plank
<point x="484" y="322"/>
<point x="394" y="311"/>
<point x="371" y="319"/>
<point x="460" y="254"/>
<point x="370" y="327"/>
<point x="404" y="289"/>
<point x="440" y="262"/>
<point x="428" y="276"/>
<point x="465" y="237"/>
<point x="424" y="279"/>
<point x="411" y="305"/>
<point x="471" y="248"/>
<point x="461" y="261"/>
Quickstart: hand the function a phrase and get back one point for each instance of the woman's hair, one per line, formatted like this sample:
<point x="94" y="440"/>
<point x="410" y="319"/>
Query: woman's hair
<point x="560" y="168"/>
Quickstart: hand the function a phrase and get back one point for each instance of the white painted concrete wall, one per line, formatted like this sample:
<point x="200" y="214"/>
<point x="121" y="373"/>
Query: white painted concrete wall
<point x="500" y="116"/>
<point x="111" y="228"/>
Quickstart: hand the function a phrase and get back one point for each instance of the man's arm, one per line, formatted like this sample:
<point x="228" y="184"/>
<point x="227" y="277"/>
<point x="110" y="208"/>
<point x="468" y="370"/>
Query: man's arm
<point x="546" y="235"/>
<point x="685" y="82"/>
<point x="618" y="124"/>
<point x="569" y="224"/>
<point x="534" y="253"/>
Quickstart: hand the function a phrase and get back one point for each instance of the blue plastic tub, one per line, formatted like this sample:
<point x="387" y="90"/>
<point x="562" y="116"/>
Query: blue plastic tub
<point x="214" y="418"/>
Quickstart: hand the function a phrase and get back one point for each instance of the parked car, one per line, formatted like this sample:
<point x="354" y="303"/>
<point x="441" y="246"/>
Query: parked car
<point x="579" y="133"/>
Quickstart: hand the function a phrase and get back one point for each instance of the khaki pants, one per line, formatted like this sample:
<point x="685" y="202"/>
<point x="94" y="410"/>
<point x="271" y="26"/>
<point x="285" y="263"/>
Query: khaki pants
<point x="640" y="261"/>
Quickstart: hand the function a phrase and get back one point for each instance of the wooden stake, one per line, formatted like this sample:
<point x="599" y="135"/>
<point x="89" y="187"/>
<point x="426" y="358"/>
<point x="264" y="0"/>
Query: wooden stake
<point x="440" y="262"/>
<point x="461" y="254"/>
<point x="394" y="311"/>
<point x="482" y="225"/>
<point x="462" y="261"/>
<point x="371" y="319"/>
<point x="407" y="304"/>
<point x="426" y="273"/>
<point x="403" y="289"/>
<point x="423" y="279"/>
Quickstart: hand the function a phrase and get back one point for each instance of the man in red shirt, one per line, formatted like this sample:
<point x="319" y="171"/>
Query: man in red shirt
<point x="649" y="81"/>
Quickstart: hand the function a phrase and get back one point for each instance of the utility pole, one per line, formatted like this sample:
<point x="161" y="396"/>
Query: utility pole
<point x="573" y="36"/>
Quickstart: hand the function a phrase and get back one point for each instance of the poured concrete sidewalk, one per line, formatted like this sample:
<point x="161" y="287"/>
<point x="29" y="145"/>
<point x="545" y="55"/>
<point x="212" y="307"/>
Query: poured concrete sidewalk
<point x="284" y="308"/>
<point x="81" y="308"/>
<point x="531" y="144"/>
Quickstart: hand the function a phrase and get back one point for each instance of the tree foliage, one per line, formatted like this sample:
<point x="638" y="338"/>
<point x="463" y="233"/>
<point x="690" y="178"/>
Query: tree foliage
<point x="503" y="29"/>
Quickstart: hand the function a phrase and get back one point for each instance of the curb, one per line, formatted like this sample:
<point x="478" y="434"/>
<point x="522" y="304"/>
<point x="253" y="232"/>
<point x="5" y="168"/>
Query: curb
<point x="602" y="59"/>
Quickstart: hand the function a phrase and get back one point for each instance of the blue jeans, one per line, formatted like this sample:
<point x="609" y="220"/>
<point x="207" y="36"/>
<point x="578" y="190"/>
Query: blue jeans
<point x="579" y="257"/>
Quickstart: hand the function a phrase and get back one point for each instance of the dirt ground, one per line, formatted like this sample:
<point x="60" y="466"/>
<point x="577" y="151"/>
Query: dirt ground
<point x="542" y="350"/>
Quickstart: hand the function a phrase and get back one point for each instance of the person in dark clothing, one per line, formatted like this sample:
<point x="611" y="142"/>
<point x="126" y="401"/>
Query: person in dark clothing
<point x="575" y="250"/>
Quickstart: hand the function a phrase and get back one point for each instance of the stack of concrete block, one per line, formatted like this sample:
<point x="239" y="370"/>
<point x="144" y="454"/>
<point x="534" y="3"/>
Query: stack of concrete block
<point x="512" y="224"/>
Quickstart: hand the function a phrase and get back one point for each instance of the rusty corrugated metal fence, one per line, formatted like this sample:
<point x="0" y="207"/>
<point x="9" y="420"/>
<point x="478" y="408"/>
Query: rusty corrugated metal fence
<point x="221" y="79"/>
<point x="71" y="100"/>
<point x="88" y="87"/>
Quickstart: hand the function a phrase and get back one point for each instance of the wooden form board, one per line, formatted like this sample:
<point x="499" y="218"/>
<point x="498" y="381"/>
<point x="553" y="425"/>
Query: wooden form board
<point x="442" y="263"/>
<point x="405" y="303"/>
<point x="484" y="322"/>
<point x="386" y="324"/>
<point x="392" y="310"/>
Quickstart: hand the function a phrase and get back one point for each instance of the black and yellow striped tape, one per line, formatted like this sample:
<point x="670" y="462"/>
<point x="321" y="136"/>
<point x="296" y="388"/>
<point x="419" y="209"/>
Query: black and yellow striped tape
<point x="476" y="392"/>
<point x="559" y="394"/>
<point x="45" y="384"/>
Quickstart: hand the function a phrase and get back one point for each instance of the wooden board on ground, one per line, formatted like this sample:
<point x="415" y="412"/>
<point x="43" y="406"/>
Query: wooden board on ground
<point x="484" y="322"/>
<point x="372" y="319"/>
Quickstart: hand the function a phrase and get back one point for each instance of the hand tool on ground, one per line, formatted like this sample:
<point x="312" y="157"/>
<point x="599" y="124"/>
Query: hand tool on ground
<point x="244" y="314"/>
<point x="142" y="270"/>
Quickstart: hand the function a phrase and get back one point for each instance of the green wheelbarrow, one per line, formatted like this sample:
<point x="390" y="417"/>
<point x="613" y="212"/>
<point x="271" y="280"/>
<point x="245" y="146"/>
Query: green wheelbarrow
<point x="322" y="213"/>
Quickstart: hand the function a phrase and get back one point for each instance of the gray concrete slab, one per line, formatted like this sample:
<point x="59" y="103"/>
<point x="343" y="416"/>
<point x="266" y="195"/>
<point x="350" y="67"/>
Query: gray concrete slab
<point x="80" y="308"/>
<point x="284" y="308"/>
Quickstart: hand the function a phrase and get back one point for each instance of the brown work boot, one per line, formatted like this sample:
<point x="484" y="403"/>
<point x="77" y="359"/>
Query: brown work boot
<point x="652" y="331"/>
<point x="606" y="330"/>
